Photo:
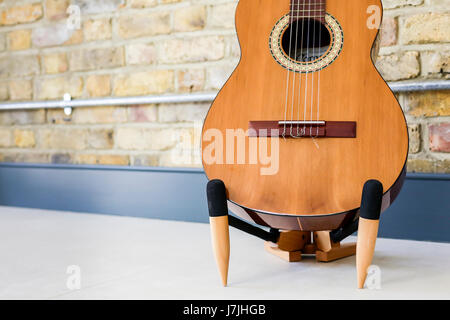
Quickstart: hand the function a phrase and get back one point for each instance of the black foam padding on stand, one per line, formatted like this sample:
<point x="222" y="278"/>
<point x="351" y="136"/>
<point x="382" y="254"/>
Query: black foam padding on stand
<point x="342" y="233"/>
<point x="217" y="198"/>
<point x="372" y="197"/>
<point x="273" y="235"/>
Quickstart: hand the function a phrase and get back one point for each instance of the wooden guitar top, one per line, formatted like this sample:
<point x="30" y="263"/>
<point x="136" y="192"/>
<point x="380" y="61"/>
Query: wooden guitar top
<point x="315" y="176"/>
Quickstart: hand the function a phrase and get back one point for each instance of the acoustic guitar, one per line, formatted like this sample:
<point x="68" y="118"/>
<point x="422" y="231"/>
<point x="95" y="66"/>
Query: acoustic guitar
<point x="307" y="86"/>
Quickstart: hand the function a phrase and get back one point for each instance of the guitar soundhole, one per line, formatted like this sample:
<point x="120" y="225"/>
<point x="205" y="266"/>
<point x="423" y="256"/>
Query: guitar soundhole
<point x="306" y="40"/>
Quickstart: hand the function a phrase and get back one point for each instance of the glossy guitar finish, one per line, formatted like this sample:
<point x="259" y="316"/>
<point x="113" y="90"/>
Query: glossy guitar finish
<point x="319" y="181"/>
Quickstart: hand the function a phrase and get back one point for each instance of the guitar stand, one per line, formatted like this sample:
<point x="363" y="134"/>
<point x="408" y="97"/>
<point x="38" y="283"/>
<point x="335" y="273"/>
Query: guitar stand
<point x="291" y="245"/>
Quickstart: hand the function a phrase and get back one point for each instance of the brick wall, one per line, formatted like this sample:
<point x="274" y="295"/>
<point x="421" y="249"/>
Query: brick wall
<point x="139" y="47"/>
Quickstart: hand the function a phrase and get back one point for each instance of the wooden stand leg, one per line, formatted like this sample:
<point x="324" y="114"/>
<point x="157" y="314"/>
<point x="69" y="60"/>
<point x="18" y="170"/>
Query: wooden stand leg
<point x="367" y="237"/>
<point x="218" y="217"/>
<point x="221" y="245"/>
<point x="368" y="228"/>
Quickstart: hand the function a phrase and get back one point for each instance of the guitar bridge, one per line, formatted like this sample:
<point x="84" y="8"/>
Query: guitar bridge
<point x="303" y="129"/>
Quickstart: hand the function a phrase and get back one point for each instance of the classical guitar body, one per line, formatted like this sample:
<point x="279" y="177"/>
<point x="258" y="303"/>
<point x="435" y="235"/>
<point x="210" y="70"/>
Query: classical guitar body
<point x="306" y="78"/>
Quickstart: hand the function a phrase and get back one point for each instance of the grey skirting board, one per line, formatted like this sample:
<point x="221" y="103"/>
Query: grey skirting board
<point x="421" y="212"/>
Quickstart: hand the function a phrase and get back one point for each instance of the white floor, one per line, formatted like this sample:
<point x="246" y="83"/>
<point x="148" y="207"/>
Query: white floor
<point x="131" y="258"/>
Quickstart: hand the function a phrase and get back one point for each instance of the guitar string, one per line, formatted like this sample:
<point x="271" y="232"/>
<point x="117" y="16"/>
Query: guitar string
<point x="300" y="73"/>
<point x="294" y="59"/>
<point x="298" y="14"/>
<point x="313" y="21"/>
<point x="306" y="76"/>
<point x="318" y="76"/>
<point x="288" y="73"/>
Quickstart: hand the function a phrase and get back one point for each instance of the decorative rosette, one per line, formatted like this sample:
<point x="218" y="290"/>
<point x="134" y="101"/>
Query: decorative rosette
<point x="335" y="48"/>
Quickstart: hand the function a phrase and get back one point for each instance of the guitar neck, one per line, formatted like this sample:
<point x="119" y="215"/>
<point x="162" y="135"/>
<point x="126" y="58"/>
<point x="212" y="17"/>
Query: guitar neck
<point x="308" y="9"/>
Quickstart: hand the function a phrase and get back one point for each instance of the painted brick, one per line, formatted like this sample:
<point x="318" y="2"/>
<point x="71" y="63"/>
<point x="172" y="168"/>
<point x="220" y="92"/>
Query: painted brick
<point x="217" y="76"/>
<point x="391" y="4"/>
<point x="189" y="19"/>
<point x="439" y="135"/>
<point x="27" y="157"/>
<point x="183" y="112"/>
<point x="414" y="131"/>
<point x="149" y="139"/>
<point x="145" y="160"/>
<point x="62" y="138"/>
<point x="139" y="25"/>
<point x="4" y="67"/>
<point x="55" y="62"/>
<point x="24" y="138"/>
<point x="144" y="113"/>
<point x="23" y="66"/>
<point x="21" y="14"/>
<point x="5" y="138"/>
<point x="76" y="37"/>
<point x="55" y="35"/>
<point x="208" y="48"/>
<point x="427" y="104"/>
<point x="222" y="16"/>
<point x="426" y="28"/>
<point x="102" y="159"/>
<point x="388" y="32"/>
<point x="55" y="88"/>
<point x="22" y="117"/>
<point x="2" y="42"/>
<point x="61" y="158"/>
<point x="94" y="59"/>
<point x="421" y="165"/>
<point x="428" y="165"/>
<point x="141" y="53"/>
<point x="142" y="3"/>
<point x="442" y="166"/>
<point x="95" y="115"/>
<point x="191" y="80"/>
<point x="98" y="6"/>
<point x="141" y="83"/>
<point x="100" y="139"/>
<point x="56" y="9"/>
<point x="20" y="89"/>
<point x="399" y="66"/>
<point x="104" y="114"/>
<point x="98" y="85"/>
<point x="99" y="29"/>
<point x="19" y="40"/>
<point x="57" y="116"/>
<point x="435" y="63"/>
<point x="4" y="92"/>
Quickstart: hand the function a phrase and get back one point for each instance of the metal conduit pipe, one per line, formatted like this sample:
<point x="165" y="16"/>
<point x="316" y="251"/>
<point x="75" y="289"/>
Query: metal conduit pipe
<point x="67" y="103"/>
